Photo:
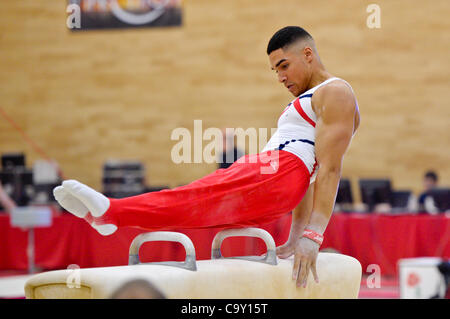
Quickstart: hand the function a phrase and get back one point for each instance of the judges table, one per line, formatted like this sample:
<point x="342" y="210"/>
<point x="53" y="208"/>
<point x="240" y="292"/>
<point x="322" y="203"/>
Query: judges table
<point x="371" y="238"/>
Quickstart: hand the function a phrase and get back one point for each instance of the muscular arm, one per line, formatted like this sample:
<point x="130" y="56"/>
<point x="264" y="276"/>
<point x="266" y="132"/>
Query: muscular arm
<point x="300" y="218"/>
<point x="301" y="214"/>
<point x="337" y="119"/>
<point x="335" y="108"/>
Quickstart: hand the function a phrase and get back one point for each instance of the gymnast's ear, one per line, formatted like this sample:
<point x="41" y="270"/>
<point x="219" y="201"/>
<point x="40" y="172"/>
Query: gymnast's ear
<point x="308" y="54"/>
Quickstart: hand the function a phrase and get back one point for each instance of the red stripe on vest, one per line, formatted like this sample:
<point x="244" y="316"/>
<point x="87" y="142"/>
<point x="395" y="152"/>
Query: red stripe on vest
<point x="302" y="113"/>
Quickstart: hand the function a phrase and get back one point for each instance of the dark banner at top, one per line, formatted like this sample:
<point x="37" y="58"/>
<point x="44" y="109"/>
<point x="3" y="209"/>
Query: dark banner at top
<point x="114" y="14"/>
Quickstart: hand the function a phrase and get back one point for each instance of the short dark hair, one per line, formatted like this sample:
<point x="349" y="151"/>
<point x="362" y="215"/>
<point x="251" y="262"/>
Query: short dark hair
<point x="432" y="175"/>
<point x="286" y="36"/>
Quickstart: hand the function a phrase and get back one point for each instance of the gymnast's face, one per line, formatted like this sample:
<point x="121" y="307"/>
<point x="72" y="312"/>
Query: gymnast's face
<point x="293" y="66"/>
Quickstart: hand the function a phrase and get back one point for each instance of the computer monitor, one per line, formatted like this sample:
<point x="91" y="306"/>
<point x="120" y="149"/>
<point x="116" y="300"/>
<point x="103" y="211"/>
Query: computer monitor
<point x="441" y="198"/>
<point x="375" y="191"/>
<point x="344" y="194"/>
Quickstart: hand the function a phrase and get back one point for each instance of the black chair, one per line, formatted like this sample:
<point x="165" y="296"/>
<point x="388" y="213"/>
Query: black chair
<point x="375" y="191"/>
<point x="344" y="196"/>
<point x="441" y="198"/>
<point x="11" y="161"/>
<point x="123" y="178"/>
<point x="43" y="193"/>
<point x="400" y="200"/>
<point x="156" y="188"/>
<point x="18" y="184"/>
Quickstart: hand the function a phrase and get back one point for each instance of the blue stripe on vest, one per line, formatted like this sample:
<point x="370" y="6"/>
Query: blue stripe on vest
<point x="306" y="95"/>
<point x="281" y="146"/>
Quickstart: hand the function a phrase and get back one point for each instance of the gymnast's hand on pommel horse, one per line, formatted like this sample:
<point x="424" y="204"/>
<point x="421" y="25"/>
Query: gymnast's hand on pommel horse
<point x="300" y="171"/>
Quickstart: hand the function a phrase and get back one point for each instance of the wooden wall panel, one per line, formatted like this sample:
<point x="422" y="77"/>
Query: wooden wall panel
<point x="89" y="96"/>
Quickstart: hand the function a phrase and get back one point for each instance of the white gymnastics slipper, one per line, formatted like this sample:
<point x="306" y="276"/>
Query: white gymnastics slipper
<point x="96" y="202"/>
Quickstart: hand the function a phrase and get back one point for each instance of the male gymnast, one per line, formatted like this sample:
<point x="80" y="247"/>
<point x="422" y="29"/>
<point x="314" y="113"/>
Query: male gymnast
<point x="305" y="155"/>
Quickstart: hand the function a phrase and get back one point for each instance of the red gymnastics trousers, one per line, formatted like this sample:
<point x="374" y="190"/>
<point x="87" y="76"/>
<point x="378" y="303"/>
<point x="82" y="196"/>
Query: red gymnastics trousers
<point x="254" y="190"/>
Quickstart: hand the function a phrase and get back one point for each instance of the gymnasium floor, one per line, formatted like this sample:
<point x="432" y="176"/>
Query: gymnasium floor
<point x="12" y="283"/>
<point x="389" y="289"/>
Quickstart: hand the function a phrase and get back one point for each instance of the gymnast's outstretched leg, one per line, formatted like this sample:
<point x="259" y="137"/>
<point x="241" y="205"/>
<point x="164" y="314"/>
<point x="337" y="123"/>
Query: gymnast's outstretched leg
<point x="250" y="192"/>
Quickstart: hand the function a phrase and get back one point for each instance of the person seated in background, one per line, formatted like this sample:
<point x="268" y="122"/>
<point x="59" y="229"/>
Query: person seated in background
<point x="425" y="202"/>
<point x="230" y="153"/>
<point x="6" y="202"/>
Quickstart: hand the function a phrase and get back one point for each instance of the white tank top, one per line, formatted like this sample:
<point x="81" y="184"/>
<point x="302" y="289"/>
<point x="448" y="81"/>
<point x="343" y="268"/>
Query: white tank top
<point x="296" y="130"/>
